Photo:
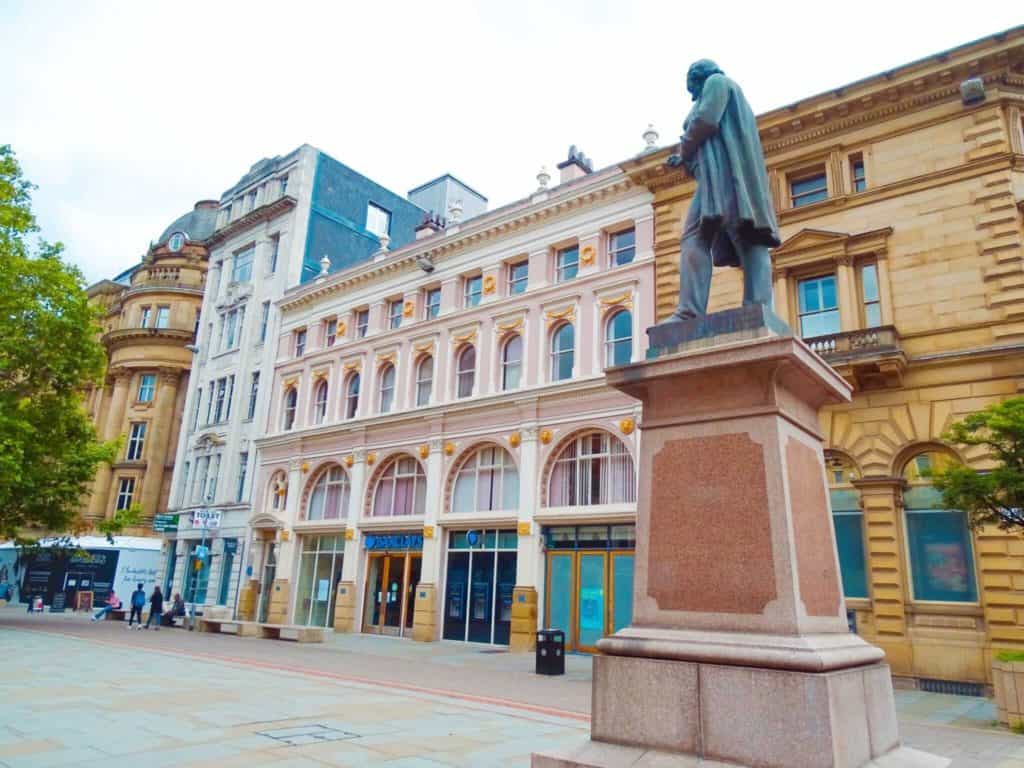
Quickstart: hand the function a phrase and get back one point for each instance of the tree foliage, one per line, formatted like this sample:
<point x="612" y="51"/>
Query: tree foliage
<point x="49" y="354"/>
<point x="996" y="496"/>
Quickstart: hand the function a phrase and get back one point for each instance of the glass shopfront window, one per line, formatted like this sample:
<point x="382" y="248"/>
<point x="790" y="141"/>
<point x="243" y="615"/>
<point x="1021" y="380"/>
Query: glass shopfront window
<point x="478" y="587"/>
<point x="589" y="581"/>
<point x="848" y="521"/>
<point x="938" y="539"/>
<point x="319" y="574"/>
<point x="197" y="576"/>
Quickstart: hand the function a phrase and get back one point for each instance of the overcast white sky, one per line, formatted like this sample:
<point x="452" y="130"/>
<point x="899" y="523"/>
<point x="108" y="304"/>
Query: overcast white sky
<point x="126" y="113"/>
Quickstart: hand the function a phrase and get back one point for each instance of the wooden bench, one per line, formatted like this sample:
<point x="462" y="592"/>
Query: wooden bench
<point x="296" y="632"/>
<point x="241" y="628"/>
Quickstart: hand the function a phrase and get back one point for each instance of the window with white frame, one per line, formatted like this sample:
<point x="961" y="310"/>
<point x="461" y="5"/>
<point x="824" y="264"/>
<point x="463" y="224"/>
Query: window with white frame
<point x="567" y="263"/>
<point x="378" y="220"/>
<point x="254" y="390"/>
<point x="330" y="497"/>
<point x="320" y="402"/>
<point x="432" y="303"/>
<point x="518" y="277"/>
<point x="472" y="291"/>
<point x="424" y="380"/>
<point x="275" y="248"/>
<point x="401" y="489"/>
<point x="395" y="307"/>
<point x="145" y="317"/>
<point x="869" y="292"/>
<point x="199" y="481"/>
<point x="808" y="187"/>
<point x="242" y="270"/>
<point x="291" y="401"/>
<point x="387" y="387"/>
<point x="594" y="468"/>
<point x="264" y="320"/>
<point x="163" y="316"/>
<point x="243" y="467"/>
<point x="331" y="332"/>
<point x="211" y="479"/>
<point x="197" y="409"/>
<point x="221" y="399"/>
<point x="487" y="481"/>
<point x="622" y="247"/>
<point x="362" y="322"/>
<point x="283" y="185"/>
<point x="818" y="305"/>
<point x="619" y="338"/>
<point x="136" y="441"/>
<point x="299" y="340"/>
<point x="563" y="342"/>
<point x="512" y="362"/>
<point x="465" y="371"/>
<point x="147" y="387"/>
<point x="352" y="396"/>
<point x="125" y="491"/>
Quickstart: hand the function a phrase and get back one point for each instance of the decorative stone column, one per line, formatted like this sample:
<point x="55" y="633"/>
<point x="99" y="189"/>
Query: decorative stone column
<point x="881" y="499"/>
<point x="98" y="503"/>
<point x="738" y="651"/>
<point x="346" y="600"/>
<point x="425" y="618"/>
<point x="279" y="606"/>
<point x="524" y="595"/>
<point x="160" y="433"/>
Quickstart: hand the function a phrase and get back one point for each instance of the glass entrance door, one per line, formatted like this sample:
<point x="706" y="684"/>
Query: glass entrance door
<point x="591" y="600"/>
<point x="589" y="595"/>
<point x="391" y="581"/>
<point x="269" y="574"/>
<point x="478" y="586"/>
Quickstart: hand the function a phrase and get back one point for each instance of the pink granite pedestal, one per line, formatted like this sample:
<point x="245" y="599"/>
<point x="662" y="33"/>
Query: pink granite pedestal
<point x="739" y="652"/>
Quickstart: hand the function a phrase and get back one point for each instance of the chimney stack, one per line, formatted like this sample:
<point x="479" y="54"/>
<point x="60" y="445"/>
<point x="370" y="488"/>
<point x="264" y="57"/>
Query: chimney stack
<point x="431" y="224"/>
<point x="575" y="167"/>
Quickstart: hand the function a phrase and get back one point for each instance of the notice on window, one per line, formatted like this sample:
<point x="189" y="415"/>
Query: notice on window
<point x="323" y="590"/>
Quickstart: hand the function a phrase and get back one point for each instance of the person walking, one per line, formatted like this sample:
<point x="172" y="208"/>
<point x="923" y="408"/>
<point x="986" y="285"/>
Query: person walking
<point x="156" y="607"/>
<point x="113" y="604"/>
<point x="138" y="601"/>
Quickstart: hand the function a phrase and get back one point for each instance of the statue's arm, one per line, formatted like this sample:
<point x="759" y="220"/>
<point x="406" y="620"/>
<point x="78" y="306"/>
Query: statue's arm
<point x="704" y="120"/>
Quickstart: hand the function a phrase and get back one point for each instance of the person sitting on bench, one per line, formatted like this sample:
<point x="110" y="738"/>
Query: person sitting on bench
<point x="113" y="604"/>
<point x="177" y="610"/>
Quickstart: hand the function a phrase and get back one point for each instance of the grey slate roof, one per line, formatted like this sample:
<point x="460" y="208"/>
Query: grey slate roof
<point x="197" y="224"/>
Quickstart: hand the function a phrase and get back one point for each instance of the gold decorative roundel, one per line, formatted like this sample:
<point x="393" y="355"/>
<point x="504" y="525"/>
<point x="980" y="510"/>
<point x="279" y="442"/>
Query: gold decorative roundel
<point x="587" y="255"/>
<point x="490" y="284"/>
<point x="545" y="436"/>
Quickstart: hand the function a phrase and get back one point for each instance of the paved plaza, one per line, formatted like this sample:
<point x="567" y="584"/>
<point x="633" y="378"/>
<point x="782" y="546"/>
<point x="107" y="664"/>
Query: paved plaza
<point x="77" y="693"/>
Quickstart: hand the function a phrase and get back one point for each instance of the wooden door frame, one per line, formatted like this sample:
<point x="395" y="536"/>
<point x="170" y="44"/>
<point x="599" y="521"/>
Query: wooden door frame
<point x="580" y="554"/>
<point x="570" y="631"/>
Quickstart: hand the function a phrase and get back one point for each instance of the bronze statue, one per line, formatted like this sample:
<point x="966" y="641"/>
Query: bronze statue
<point x="731" y="221"/>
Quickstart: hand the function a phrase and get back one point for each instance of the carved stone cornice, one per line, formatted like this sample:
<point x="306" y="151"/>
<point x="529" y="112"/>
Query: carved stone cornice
<point x="265" y="212"/>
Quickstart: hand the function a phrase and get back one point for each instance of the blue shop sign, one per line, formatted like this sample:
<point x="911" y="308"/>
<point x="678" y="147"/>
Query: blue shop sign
<point x="393" y="541"/>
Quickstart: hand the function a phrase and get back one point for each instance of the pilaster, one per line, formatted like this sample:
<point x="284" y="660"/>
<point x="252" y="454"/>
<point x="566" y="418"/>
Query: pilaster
<point x="524" y="596"/>
<point x="98" y="503"/>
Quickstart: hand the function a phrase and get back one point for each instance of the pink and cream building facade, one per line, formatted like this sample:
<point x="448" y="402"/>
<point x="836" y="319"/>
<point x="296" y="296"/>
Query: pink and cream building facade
<point x="441" y="457"/>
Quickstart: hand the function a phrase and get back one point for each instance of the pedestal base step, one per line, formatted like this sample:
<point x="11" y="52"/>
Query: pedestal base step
<point x="597" y="754"/>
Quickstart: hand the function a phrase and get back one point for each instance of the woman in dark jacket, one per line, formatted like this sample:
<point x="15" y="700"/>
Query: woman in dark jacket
<point x="156" y="607"/>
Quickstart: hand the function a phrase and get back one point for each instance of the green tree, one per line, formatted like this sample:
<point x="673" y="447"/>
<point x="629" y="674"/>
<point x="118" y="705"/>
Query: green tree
<point x="49" y="354"/>
<point x="995" y="496"/>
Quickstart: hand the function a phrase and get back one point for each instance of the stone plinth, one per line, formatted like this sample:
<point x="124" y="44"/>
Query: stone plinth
<point x="277" y="610"/>
<point x="524" y="620"/>
<point x="248" y="597"/>
<point x="424" y="617"/>
<point x="345" y="607"/>
<point x="739" y="650"/>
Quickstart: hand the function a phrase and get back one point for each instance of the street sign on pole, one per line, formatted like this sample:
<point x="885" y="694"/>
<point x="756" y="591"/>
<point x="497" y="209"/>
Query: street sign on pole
<point x="207" y="519"/>
<point x="165" y="523"/>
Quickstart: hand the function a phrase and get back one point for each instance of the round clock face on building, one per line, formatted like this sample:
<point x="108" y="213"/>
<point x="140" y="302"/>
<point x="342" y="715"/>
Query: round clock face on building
<point x="176" y="242"/>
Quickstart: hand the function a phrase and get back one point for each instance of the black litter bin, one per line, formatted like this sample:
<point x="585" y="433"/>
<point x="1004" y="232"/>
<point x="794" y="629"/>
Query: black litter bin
<point x="550" y="652"/>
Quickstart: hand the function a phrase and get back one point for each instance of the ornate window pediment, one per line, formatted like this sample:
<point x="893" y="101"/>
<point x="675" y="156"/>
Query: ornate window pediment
<point x="817" y="246"/>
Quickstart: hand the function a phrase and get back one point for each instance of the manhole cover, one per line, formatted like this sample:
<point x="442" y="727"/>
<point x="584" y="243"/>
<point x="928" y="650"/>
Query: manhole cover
<point x="306" y="734"/>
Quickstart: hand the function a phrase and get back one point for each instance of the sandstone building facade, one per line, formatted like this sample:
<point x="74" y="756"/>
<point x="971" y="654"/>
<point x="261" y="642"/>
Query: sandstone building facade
<point x="151" y="316"/>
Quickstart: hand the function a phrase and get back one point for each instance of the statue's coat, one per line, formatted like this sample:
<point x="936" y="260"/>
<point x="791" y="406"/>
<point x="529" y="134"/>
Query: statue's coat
<point x="722" y="148"/>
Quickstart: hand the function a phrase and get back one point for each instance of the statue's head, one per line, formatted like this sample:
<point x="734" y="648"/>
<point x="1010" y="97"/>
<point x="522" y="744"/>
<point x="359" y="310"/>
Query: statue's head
<point x="698" y="72"/>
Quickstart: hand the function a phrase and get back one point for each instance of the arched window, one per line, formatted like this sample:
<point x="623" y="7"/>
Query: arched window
<point x="466" y="371"/>
<point x="424" y="380"/>
<point x="512" y="362"/>
<point x="278" y="492"/>
<point x="562" y="343"/>
<point x="352" y="396"/>
<point x="329" y="499"/>
<point x="291" y="400"/>
<point x="320" y="402"/>
<point x="401" y="489"/>
<point x="488" y="480"/>
<point x="387" y="387"/>
<point x="938" y="539"/>
<point x="619" y="338"/>
<point x="594" y="468"/>
<point x="848" y="520"/>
